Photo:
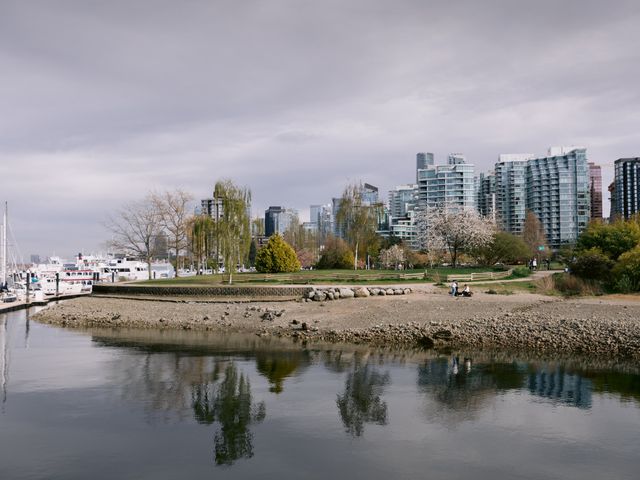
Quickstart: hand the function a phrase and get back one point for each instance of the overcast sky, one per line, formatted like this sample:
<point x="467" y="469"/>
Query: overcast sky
<point x="102" y="101"/>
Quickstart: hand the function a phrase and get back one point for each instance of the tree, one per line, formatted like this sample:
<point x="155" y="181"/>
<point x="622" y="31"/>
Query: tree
<point x="611" y="239"/>
<point x="232" y="228"/>
<point x="200" y="236"/>
<point x="277" y="256"/>
<point x="134" y="229"/>
<point x="172" y="207"/>
<point x="253" y="251"/>
<point x="454" y="230"/>
<point x="306" y="257"/>
<point x="534" y="236"/>
<point x="502" y="248"/>
<point x="392" y="257"/>
<point x="336" y="254"/>
<point x="358" y="220"/>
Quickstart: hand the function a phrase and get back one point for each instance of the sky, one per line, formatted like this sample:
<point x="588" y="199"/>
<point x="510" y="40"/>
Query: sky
<point x="103" y="102"/>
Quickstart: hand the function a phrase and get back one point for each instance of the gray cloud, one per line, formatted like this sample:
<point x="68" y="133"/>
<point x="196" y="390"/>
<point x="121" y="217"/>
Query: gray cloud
<point x="103" y="101"/>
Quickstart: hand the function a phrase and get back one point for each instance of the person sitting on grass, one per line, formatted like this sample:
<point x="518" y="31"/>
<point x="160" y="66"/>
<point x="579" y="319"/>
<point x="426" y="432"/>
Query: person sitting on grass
<point x="466" y="292"/>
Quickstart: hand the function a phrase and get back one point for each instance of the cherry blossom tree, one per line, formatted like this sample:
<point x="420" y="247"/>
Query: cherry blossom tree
<point x="441" y="228"/>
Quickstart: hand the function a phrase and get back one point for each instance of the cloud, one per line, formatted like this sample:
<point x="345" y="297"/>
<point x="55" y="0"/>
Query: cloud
<point x="104" y="101"/>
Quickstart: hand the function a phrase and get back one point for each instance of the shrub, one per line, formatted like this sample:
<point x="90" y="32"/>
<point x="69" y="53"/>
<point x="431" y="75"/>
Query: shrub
<point x="611" y="239"/>
<point x="628" y="265"/>
<point x="569" y="285"/>
<point x="592" y="264"/>
<point x="336" y="254"/>
<point x="277" y="256"/>
<point x="520" y="272"/>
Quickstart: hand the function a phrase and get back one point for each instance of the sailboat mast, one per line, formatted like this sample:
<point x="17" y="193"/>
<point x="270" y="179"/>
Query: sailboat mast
<point x="4" y="245"/>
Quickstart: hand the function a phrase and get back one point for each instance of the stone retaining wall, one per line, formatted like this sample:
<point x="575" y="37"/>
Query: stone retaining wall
<point x="202" y="291"/>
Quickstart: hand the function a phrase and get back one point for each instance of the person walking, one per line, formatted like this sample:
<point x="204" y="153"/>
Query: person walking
<point x="454" y="288"/>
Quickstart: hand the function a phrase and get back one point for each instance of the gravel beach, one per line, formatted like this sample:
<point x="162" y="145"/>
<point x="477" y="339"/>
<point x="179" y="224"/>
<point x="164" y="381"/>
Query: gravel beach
<point x="606" y="327"/>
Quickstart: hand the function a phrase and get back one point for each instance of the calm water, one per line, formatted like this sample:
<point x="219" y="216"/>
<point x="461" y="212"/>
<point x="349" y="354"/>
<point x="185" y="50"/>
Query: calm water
<point x="145" y="405"/>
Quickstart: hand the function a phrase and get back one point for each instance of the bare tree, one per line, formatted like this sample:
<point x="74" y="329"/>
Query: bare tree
<point x="134" y="229"/>
<point x="455" y="230"/>
<point x="357" y="220"/>
<point x="173" y="211"/>
<point x="534" y="236"/>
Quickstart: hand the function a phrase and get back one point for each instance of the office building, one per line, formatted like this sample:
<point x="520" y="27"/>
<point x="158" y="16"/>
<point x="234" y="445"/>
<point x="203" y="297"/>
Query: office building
<point x="402" y="199"/>
<point x="423" y="160"/>
<point x="595" y="190"/>
<point x="558" y="193"/>
<point x="626" y="193"/>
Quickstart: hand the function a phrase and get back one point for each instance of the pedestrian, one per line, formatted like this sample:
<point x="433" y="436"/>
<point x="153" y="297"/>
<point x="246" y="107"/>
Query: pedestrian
<point x="534" y="263"/>
<point x="454" y="288"/>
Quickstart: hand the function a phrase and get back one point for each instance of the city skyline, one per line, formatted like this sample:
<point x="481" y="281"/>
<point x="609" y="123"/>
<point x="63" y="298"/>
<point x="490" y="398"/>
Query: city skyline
<point x="106" y="102"/>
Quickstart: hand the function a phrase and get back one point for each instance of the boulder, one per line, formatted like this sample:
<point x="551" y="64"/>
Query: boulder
<point x="330" y="295"/>
<point x="389" y="291"/>
<point x="398" y="291"/>
<point x="336" y="294"/>
<point x="361" y="292"/>
<point x="374" y="291"/>
<point x="346" y="293"/>
<point x="407" y="291"/>
<point x="319" y="297"/>
<point x="382" y="292"/>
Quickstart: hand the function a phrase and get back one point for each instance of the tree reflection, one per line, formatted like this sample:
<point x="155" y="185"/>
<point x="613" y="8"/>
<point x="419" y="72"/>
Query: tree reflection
<point x="230" y="404"/>
<point x="361" y="403"/>
<point x="276" y="366"/>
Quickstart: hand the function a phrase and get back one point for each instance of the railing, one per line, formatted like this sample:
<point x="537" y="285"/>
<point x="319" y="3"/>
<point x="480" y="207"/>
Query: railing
<point x="347" y="277"/>
<point x="471" y="277"/>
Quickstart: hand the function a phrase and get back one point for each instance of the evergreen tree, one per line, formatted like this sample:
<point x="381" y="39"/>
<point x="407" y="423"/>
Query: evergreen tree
<point x="277" y="256"/>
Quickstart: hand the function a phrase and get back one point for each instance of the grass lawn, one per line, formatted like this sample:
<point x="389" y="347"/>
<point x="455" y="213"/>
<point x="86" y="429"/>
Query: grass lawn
<point x="508" y="288"/>
<point x="324" y="276"/>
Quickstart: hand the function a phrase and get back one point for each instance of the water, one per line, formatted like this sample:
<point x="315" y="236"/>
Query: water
<point x="151" y="405"/>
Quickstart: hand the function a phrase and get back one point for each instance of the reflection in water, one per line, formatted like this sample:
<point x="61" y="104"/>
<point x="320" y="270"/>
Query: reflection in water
<point x="229" y="403"/>
<point x="276" y="366"/>
<point x="556" y="384"/>
<point x="464" y="391"/>
<point x="361" y="403"/>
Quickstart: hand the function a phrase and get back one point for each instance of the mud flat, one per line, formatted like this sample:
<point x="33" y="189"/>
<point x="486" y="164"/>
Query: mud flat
<point x="604" y="327"/>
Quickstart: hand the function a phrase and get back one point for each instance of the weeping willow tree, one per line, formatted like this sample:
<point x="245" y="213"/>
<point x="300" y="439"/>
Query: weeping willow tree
<point x="233" y="227"/>
<point x="201" y="232"/>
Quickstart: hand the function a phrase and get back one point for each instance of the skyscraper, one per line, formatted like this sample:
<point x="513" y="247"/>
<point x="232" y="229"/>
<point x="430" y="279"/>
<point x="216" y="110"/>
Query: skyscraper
<point x="272" y="220"/>
<point x="558" y="193"/>
<point x="595" y="189"/>
<point x="627" y="187"/>
<point x="402" y="199"/>
<point x="511" y="191"/>
<point x="450" y="186"/>
<point x="485" y="185"/>
<point x="423" y="160"/>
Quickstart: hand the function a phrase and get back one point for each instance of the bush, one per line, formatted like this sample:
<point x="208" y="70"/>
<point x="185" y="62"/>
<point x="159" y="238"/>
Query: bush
<point x="628" y="265"/>
<point x="277" y="256"/>
<point x="520" y="272"/>
<point x="570" y="285"/>
<point x="592" y="264"/>
<point x="611" y="239"/>
<point x="336" y="254"/>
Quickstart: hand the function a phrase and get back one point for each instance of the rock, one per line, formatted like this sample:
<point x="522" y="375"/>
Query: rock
<point x="319" y="296"/>
<point x="294" y="322"/>
<point x="329" y="295"/>
<point x="304" y="326"/>
<point x="407" y="291"/>
<point x="389" y="291"/>
<point x="311" y="294"/>
<point x="398" y="291"/>
<point x="382" y="292"/>
<point x="361" y="292"/>
<point x="374" y="291"/>
<point x="336" y="294"/>
<point x="346" y="293"/>
<point x="443" y="335"/>
<point x="425" y="342"/>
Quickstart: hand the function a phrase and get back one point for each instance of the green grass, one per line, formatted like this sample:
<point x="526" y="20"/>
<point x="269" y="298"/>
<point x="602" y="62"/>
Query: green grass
<point x="322" y="276"/>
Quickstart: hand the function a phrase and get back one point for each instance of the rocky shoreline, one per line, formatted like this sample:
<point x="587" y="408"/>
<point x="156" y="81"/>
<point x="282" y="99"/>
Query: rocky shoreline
<point x="603" y="327"/>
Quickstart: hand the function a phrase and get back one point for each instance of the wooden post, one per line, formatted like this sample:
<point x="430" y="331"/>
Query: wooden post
<point x="57" y="284"/>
